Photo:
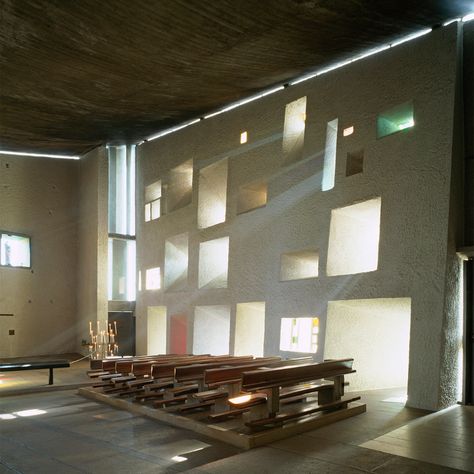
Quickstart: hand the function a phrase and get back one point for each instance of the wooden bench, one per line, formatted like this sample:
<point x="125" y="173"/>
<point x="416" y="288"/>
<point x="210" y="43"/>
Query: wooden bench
<point x="227" y="381"/>
<point x="35" y="365"/>
<point x="264" y="390"/>
<point x="122" y="371"/>
<point x="189" y="376"/>
<point x="164" y="375"/>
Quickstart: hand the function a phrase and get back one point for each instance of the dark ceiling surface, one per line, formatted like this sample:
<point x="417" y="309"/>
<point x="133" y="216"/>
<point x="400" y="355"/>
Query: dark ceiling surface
<point x="78" y="73"/>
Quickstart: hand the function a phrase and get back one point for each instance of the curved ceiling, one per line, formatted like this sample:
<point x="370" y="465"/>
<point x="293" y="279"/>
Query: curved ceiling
<point x="75" y="74"/>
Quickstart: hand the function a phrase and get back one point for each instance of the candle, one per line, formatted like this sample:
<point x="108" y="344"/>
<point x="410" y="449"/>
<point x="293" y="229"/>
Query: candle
<point x="115" y="326"/>
<point x="90" y="327"/>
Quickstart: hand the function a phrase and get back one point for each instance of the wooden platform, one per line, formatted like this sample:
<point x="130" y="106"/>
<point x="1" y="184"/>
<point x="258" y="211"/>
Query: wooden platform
<point x="233" y="431"/>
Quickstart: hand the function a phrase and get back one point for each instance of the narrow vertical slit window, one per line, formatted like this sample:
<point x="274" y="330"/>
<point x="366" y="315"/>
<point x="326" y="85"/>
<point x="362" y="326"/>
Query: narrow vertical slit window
<point x="121" y="205"/>
<point x="329" y="167"/>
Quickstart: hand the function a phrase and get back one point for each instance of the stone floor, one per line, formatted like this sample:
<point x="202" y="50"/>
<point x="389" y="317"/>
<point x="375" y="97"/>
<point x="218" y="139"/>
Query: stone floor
<point x="19" y="382"/>
<point x="60" y="432"/>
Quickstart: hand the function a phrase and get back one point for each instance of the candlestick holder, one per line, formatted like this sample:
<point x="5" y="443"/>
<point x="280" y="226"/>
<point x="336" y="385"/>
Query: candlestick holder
<point x="103" y="343"/>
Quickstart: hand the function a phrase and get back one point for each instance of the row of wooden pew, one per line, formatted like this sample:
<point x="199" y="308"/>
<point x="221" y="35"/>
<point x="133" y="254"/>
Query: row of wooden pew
<point x="227" y="386"/>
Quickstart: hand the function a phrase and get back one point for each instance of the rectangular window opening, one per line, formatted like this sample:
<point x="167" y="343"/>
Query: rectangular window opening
<point x="15" y="250"/>
<point x="348" y="131"/>
<point x="396" y="119"/>
<point x="299" y="265"/>
<point x="299" y="334"/>
<point x="251" y="196"/>
<point x="178" y="334"/>
<point x="212" y="196"/>
<point x="250" y="329"/>
<point x="156" y="330"/>
<point x="330" y="151"/>
<point x="376" y="332"/>
<point x="355" y="162"/>
<point x="213" y="263"/>
<point x="153" y="201"/>
<point x="354" y="233"/>
<point x="211" y="332"/>
<point x="153" y="278"/>
<point x="293" y="130"/>
<point x="179" y="192"/>
<point x="176" y="262"/>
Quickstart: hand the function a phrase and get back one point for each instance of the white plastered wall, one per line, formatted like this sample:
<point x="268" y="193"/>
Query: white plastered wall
<point x="376" y="333"/>
<point x="409" y="171"/>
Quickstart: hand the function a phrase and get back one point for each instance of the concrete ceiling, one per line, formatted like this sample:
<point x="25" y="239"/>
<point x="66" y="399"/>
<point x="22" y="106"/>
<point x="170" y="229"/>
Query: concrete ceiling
<point x="78" y="73"/>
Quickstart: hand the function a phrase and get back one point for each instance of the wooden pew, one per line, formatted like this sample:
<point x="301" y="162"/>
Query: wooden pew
<point x="138" y="373"/>
<point x="226" y="382"/>
<point x="189" y="379"/>
<point x="196" y="373"/>
<point x="264" y="390"/>
<point x="162" y="374"/>
<point x="123" y="370"/>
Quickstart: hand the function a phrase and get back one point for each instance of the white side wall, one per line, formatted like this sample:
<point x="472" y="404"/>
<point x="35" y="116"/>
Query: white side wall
<point x="410" y="171"/>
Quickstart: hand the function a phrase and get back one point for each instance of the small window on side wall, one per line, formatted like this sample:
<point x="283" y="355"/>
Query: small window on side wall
<point x="395" y="120"/>
<point x="299" y="334"/>
<point x="15" y="250"/>
<point x="153" y="201"/>
<point x="355" y="162"/>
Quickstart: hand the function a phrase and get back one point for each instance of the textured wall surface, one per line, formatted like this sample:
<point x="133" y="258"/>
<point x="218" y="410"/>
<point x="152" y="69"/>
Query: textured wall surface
<point x="376" y="333"/>
<point x="38" y="197"/>
<point x="409" y="170"/>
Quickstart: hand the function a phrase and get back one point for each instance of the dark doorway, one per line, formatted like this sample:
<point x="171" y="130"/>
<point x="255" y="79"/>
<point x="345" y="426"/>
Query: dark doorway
<point x="125" y="321"/>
